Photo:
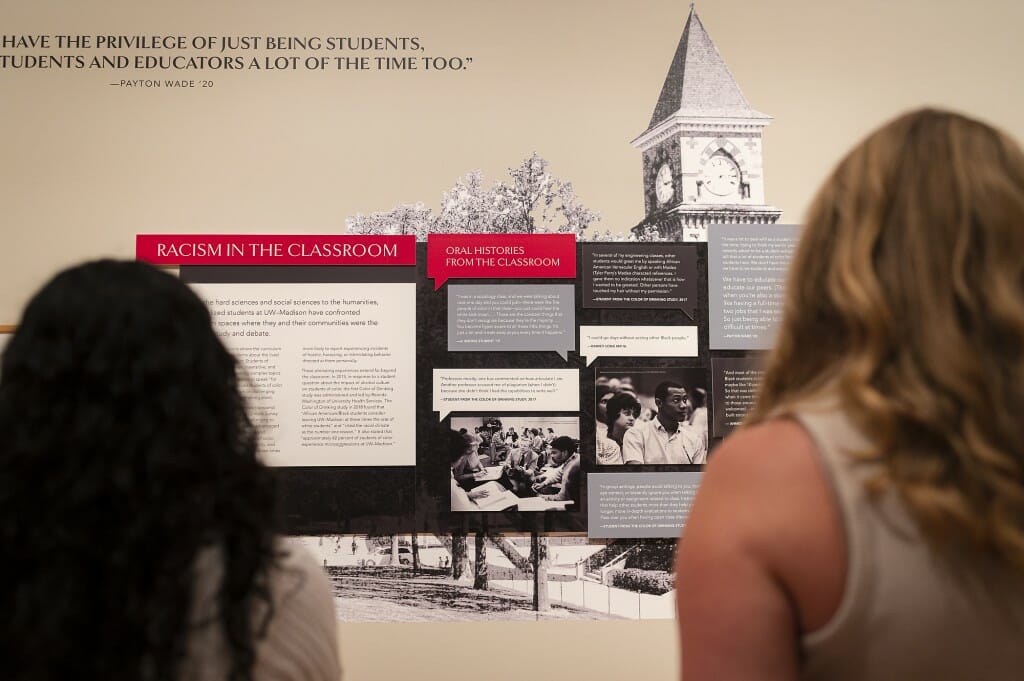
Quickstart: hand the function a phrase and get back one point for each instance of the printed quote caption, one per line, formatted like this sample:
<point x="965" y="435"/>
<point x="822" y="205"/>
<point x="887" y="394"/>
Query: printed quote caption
<point x="204" y="53"/>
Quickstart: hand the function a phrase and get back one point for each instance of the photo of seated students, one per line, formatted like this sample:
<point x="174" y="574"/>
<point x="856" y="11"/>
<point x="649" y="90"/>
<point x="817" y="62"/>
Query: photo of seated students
<point x="524" y="473"/>
<point x="667" y="438"/>
<point x="669" y="425"/>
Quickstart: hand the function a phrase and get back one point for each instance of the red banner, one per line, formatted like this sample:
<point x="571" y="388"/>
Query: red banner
<point x="275" y="249"/>
<point x="498" y="256"/>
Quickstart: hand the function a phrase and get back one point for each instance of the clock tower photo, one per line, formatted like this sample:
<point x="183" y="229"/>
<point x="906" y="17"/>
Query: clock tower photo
<point x="702" y="161"/>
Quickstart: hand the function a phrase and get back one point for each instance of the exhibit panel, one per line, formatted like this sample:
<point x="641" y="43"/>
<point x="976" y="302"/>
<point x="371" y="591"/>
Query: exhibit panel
<point x="334" y="333"/>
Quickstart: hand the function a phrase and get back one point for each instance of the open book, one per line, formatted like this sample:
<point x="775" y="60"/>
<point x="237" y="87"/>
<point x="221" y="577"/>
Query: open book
<point x="497" y="498"/>
<point x="542" y="504"/>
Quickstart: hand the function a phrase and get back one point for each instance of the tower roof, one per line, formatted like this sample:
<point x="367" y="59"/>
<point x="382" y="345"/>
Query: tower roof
<point x="698" y="83"/>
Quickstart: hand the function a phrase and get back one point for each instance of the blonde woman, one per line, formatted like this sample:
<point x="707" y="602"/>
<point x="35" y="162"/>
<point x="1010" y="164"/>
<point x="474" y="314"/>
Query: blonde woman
<point x="867" y="522"/>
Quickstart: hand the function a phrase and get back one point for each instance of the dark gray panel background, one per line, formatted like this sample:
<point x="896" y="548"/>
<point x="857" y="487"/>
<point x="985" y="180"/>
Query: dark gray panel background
<point x="761" y="336"/>
<point x="643" y="522"/>
<point x="682" y="295"/>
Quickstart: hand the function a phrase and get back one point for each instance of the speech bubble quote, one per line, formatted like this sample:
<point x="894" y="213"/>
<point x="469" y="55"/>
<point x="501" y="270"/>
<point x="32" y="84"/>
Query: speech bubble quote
<point x="512" y="318"/>
<point x="628" y="505"/>
<point x="505" y="390"/>
<point x="747" y="266"/>
<point x="637" y="341"/>
<point x="735" y="382"/>
<point x="651" y="276"/>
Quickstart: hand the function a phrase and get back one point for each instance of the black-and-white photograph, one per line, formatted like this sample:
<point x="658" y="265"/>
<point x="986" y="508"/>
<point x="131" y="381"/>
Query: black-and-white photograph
<point x="479" y="577"/>
<point x="514" y="463"/>
<point x="651" y="416"/>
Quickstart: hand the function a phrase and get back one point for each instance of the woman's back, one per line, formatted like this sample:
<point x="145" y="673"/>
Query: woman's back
<point x="907" y="612"/>
<point x="789" y="569"/>
<point x="883" y="537"/>
<point x="299" y="643"/>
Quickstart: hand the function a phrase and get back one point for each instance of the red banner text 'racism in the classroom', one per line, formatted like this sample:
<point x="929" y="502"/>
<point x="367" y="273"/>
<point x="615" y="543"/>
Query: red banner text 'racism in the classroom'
<point x="496" y="256"/>
<point x="275" y="249"/>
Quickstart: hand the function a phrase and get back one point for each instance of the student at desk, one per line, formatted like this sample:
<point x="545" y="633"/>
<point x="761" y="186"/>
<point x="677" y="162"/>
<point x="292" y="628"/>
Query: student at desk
<point x="563" y="449"/>
<point x="571" y="477"/>
<point x="564" y="454"/>
<point x="465" y="461"/>
<point x="477" y="493"/>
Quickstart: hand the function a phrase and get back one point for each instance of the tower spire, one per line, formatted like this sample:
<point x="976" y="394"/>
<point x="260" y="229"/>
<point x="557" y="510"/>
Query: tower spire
<point x="699" y="83"/>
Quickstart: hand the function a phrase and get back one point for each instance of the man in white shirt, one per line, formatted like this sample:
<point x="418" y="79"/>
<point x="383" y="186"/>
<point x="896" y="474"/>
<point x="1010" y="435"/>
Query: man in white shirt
<point x="662" y="439"/>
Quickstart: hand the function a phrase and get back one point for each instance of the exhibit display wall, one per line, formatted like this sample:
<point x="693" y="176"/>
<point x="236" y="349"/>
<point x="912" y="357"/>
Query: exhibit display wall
<point x="309" y="117"/>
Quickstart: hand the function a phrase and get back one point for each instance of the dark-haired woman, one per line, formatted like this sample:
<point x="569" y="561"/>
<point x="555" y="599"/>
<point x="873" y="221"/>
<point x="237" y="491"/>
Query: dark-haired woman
<point x="867" y="522"/>
<point x="622" y="412"/>
<point x="136" y="520"/>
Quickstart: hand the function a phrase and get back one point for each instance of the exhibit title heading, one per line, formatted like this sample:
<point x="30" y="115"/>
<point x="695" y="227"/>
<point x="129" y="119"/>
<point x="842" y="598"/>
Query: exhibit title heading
<point x="498" y="256"/>
<point x="239" y="249"/>
<point x="494" y="256"/>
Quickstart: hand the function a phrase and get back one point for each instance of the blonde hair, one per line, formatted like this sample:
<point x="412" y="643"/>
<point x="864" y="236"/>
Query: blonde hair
<point x="906" y="299"/>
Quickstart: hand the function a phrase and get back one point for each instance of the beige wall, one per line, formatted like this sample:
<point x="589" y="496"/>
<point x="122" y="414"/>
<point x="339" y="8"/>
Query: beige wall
<point x="87" y="165"/>
<point x="510" y="651"/>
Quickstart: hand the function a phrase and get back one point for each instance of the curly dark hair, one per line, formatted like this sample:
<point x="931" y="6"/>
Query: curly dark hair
<point x="620" y="403"/>
<point x="125" y="449"/>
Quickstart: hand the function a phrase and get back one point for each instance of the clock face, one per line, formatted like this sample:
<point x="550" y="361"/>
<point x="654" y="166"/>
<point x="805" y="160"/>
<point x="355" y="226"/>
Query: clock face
<point x="721" y="176"/>
<point x="663" y="188"/>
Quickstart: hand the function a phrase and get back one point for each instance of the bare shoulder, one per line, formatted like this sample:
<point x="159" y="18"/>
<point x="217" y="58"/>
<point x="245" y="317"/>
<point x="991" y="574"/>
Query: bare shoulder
<point x="762" y="480"/>
<point x="762" y="557"/>
<point x="779" y="449"/>
<point x="768" y="486"/>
